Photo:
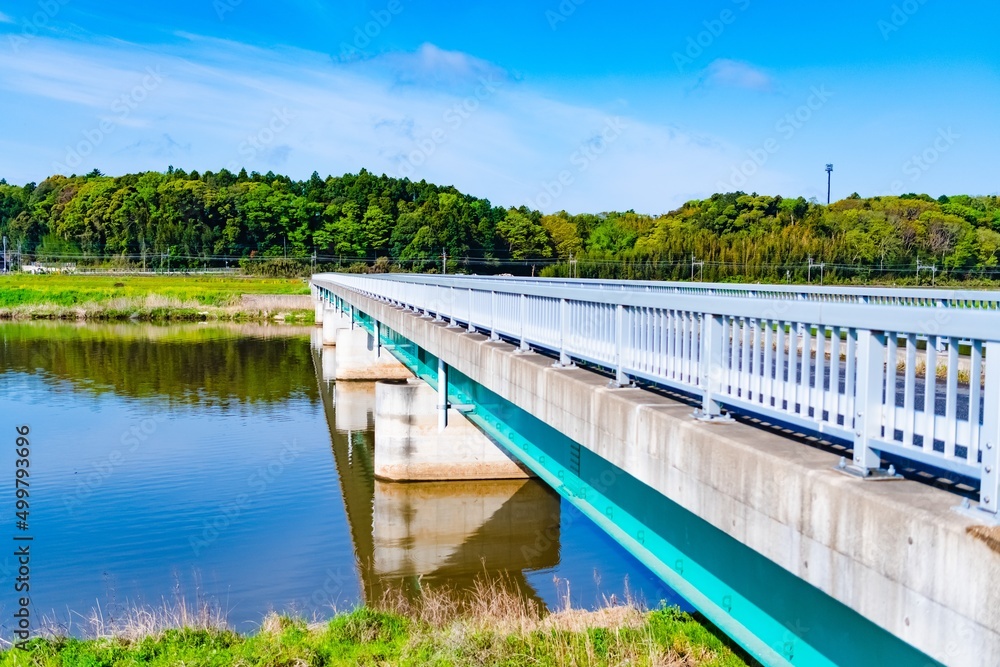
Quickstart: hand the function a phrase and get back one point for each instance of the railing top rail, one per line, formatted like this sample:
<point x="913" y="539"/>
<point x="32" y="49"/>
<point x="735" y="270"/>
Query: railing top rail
<point x="939" y="297"/>
<point x="966" y="317"/>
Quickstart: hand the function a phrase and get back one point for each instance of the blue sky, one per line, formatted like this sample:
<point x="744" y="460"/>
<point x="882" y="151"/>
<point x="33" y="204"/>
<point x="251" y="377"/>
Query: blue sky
<point x="583" y="105"/>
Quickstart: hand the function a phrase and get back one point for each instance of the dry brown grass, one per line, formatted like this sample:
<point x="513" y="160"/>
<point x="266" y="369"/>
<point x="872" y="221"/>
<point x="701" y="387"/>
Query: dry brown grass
<point x="134" y="623"/>
<point x="493" y="624"/>
<point x="274" y="303"/>
<point x="156" y="306"/>
<point x="987" y="534"/>
<point x="497" y="624"/>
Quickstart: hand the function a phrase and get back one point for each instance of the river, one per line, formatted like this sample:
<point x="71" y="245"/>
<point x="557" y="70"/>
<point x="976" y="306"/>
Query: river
<point x="215" y="464"/>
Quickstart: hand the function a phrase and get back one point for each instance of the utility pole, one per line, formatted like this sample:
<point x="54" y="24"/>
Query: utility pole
<point x="820" y="266"/>
<point x="572" y="266"/>
<point x="5" y="254"/>
<point x="829" y="181"/>
<point x="700" y="265"/>
<point x="929" y="267"/>
<point x="444" y="262"/>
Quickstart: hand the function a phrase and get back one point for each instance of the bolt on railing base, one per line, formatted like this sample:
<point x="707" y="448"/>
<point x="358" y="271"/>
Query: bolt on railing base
<point x="615" y="384"/>
<point x="563" y="366"/>
<point x="868" y="474"/>
<point x="706" y="418"/>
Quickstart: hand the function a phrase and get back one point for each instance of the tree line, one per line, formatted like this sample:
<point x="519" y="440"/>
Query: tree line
<point x="190" y="219"/>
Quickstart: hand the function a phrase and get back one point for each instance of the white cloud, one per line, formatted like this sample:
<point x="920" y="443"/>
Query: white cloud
<point x="736" y="74"/>
<point x="5" y="19"/>
<point x="224" y="104"/>
<point x="430" y="65"/>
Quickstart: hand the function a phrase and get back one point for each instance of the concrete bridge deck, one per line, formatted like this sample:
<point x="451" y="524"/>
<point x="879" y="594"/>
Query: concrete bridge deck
<point x="895" y="553"/>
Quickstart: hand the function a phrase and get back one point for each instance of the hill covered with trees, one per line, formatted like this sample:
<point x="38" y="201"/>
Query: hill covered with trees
<point x="191" y="220"/>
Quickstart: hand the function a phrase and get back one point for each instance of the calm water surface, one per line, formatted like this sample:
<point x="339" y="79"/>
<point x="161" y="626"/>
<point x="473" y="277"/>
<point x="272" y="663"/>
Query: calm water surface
<point x="218" y="464"/>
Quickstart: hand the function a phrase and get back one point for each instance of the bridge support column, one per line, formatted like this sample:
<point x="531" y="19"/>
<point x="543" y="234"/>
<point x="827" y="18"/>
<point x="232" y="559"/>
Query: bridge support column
<point x="359" y="358"/>
<point x="409" y="446"/>
<point x="333" y="322"/>
<point x="320" y="310"/>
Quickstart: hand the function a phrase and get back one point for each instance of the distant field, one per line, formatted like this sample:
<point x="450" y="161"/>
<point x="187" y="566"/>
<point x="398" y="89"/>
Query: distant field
<point x="69" y="290"/>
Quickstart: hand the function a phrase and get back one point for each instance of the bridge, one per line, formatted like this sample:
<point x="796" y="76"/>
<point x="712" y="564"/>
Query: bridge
<point x="813" y="469"/>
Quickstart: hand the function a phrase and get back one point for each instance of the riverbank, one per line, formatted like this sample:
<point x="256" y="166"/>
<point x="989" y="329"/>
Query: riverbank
<point x="505" y="631"/>
<point x="169" y="298"/>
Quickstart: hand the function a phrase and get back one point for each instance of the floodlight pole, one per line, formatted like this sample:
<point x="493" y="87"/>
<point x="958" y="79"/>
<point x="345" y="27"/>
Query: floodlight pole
<point x="829" y="182"/>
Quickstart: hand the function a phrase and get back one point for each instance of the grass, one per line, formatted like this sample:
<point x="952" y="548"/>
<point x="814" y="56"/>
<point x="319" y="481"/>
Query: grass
<point x="149" y="298"/>
<point x="495" y="627"/>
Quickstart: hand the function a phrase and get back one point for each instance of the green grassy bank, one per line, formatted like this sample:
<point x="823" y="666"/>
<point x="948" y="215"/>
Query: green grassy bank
<point x="152" y="298"/>
<point x="613" y="636"/>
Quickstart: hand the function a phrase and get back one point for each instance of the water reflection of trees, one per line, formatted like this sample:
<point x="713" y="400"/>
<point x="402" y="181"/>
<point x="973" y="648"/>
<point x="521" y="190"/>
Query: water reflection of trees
<point x="195" y="364"/>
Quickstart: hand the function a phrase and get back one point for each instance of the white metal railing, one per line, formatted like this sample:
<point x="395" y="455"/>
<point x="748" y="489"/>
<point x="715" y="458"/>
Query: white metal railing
<point x="910" y="373"/>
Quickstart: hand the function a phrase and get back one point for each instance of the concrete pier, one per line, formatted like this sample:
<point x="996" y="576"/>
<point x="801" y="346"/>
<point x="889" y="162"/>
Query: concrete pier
<point x="334" y="322"/>
<point x="358" y="358"/>
<point x="320" y="310"/>
<point x="409" y="446"/>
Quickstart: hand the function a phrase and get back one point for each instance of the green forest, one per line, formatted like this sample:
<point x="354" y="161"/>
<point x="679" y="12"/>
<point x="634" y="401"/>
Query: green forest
<point x="189" y="220"/>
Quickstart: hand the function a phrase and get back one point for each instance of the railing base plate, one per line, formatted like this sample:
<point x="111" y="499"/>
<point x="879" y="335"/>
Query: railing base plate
<point x="976" y="513"/>
<point x="713" y="419"/>
<point x="876" y="475"/>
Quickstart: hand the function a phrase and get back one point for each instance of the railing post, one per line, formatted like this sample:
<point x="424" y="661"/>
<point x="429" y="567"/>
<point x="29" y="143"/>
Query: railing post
<point x="621" y="379"/>
<point x="442" y="404"/>
<point x="493" y="316"/>
<point x="523" y="347"/>
<point x="565" y="361"/>
<point x="453" y="318"/>
<point x="868" y="405"/>
<point x="712" y="356"/>
<point x="989" y="490"/>
<point x="472" y="327"/>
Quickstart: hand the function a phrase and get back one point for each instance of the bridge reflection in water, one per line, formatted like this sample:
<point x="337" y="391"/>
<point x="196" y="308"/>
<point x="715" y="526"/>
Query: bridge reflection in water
<point x="408" y="536"/>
